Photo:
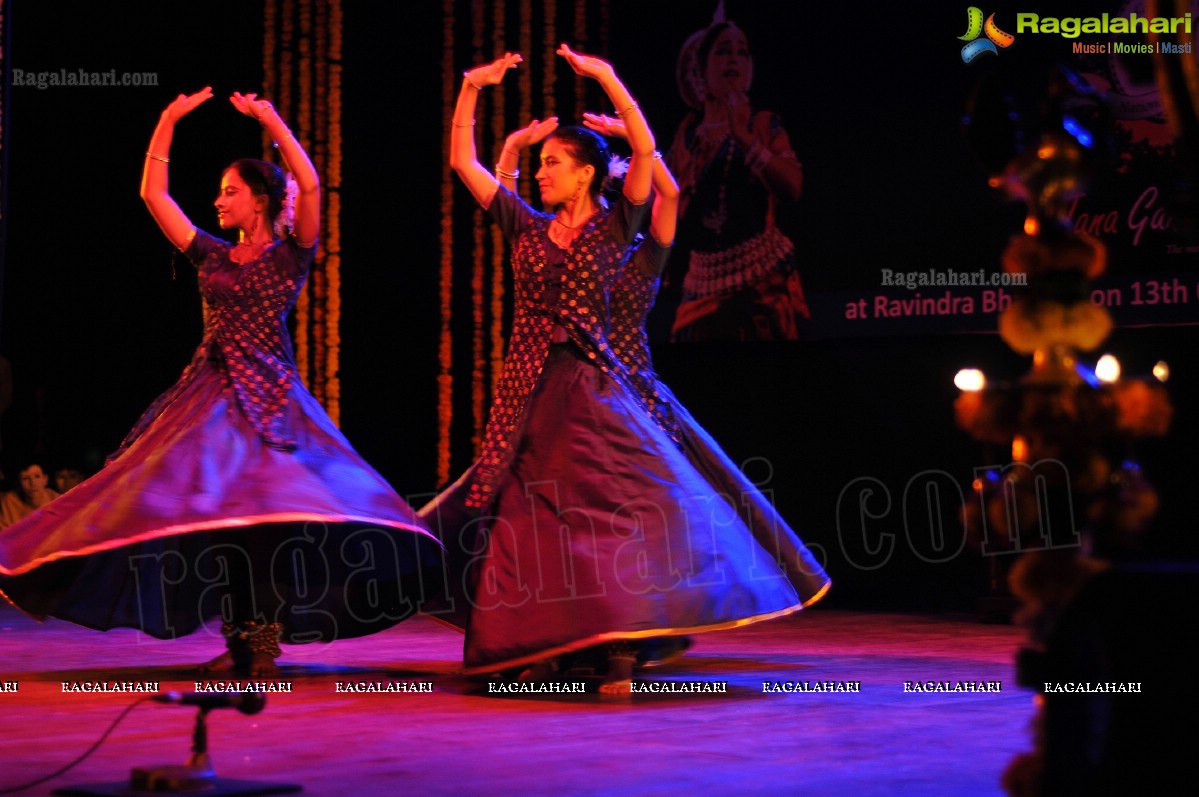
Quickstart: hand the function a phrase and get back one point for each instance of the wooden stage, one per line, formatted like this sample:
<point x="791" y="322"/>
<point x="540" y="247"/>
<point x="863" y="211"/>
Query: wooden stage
<point x="460" y="740"/>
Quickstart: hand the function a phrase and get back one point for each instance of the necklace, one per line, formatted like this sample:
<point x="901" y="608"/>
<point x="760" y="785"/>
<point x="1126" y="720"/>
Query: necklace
<point x="565" y="237"/>
<point x="248" y="251"/>
<point x="580" y="224"/>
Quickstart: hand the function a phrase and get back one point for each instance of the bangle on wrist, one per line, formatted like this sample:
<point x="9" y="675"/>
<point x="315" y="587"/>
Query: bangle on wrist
<point x="630" y="109"/>
<point x="471" y="123"/>
<point x="280" y="141"/>
<point x="512" y="175"/>
<point x="150" y="154"/>
<point x="473" y="84"/>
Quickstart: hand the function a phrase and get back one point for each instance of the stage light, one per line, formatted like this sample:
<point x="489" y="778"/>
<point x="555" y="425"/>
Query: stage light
<point x="970" y="380"/>
<point x="1107" y="369"/>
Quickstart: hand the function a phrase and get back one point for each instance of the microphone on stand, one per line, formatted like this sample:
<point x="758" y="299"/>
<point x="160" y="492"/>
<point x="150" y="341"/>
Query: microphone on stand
<point x="245" y="702"/>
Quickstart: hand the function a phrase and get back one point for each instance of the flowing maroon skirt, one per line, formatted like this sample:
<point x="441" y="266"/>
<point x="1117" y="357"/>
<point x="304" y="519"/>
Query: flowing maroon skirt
<point x="602" y="530"/>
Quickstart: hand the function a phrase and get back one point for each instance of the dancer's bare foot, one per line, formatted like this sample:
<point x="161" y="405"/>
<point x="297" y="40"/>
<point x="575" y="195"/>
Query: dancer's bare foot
<point x="226" y="662"/>
<point x="538" y="673"/>
<point x="663" y="650"/>
<point x="262" y="665"/>
<point x="619" y="680"/>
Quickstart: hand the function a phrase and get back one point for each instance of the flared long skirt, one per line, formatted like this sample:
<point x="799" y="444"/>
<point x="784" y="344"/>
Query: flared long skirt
<point x="199" y="518"/>
<point x="602" y="530"/>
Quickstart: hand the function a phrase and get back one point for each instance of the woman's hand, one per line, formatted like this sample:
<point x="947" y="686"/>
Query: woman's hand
<point x="186" y="103"/>
<point x="586" y="65"/>
<point x="250" y="105"/>
<point x="534" y="133"/>
<point x="464" y="158"/>
<point x="636" y="131"/>
<point x="493" y="73"/>
<point x="610" y="126"/>
<point x="174" y="224"/>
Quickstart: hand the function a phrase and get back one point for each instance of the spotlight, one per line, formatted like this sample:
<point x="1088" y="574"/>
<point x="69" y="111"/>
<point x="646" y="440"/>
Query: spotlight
<point x="970" y="380"/>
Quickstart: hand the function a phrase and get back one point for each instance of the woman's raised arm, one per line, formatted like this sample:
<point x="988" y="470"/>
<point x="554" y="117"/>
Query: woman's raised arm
<point x="637" y="132"/>
<point x="154" y="191"/>
<point x="307" y="223"/>
<point x="464" y="159"/>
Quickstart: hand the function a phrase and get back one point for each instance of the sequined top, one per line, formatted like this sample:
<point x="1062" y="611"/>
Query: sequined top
<point x="245" y="332"/>
<point x="550" y="286"/>
<point x="630" y="300"/>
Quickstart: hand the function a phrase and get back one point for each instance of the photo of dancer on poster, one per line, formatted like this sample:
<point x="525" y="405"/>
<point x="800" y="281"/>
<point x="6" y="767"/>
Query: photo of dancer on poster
<point x="735" y="166"/>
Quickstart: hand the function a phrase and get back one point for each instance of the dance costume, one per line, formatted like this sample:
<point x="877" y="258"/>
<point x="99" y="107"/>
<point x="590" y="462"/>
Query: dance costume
<point x="591" y="525"/>
<point x="234" y="494"/>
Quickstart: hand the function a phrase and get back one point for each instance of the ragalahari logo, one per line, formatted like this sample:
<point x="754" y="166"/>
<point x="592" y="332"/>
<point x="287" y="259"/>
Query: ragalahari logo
<point x="975" y="27"/>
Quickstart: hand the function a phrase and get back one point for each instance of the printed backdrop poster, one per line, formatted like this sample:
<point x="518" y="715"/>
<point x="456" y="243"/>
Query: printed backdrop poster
<point x="899" y="123"/>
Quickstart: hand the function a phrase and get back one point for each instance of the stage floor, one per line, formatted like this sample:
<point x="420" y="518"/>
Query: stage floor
<point x="460" y="740"/>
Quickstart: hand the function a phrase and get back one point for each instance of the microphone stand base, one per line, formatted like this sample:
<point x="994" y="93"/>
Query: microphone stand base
<point x="172" y="778"/>
<point x="177" y="780"/>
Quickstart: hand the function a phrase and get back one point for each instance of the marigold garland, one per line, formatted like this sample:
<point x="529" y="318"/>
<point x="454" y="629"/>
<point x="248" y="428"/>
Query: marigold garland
<point x="579" y="43"/>
<point x="332" y="105"/>
<point x="1063" y="503"/>
<point x="491" y="362"/>
<point x="491" y="108"/>
<point x="301" y="73"/>
<point x="479" y="361"/>
<point x="445" y="353"/>
<point x="548" y="55"/>
<point x="525" y="83"/>
<point x="497" y="113"/>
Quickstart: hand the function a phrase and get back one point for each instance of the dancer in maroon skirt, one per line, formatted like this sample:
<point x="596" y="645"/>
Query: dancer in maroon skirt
<point x="630" y="299"/>
<point x="234" y="495"/>
<point x="593" y="529"/>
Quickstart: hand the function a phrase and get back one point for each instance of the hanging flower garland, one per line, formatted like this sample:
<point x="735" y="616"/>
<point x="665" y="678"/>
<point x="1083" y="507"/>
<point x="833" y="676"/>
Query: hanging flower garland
<point x="478" y="398"/>
<point x="332" y="104"/>
<point x="445" y="292"/>
<point x="490" y="107"/>
<point x="580" y="42"/>
<point x="547" y="57"/>
<point x="535" y="87"/>
<point x="301" y="50"/>
<point x="1065" y="503"/>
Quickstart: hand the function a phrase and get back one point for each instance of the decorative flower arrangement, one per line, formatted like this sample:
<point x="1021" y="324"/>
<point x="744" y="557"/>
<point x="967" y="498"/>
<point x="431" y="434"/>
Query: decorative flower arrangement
<point x="1056" y="309"/>
<point x="302" y="51"/>
<point x="1056" y="412"/>
<point x="1066" y="503"/>
<point x="1030" y="324"/>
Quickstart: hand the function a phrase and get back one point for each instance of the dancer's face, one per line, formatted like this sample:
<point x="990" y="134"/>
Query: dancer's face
<point x="560" y="176"/>
<point x="727" y="71"/>
<point x="236" y="204"/>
